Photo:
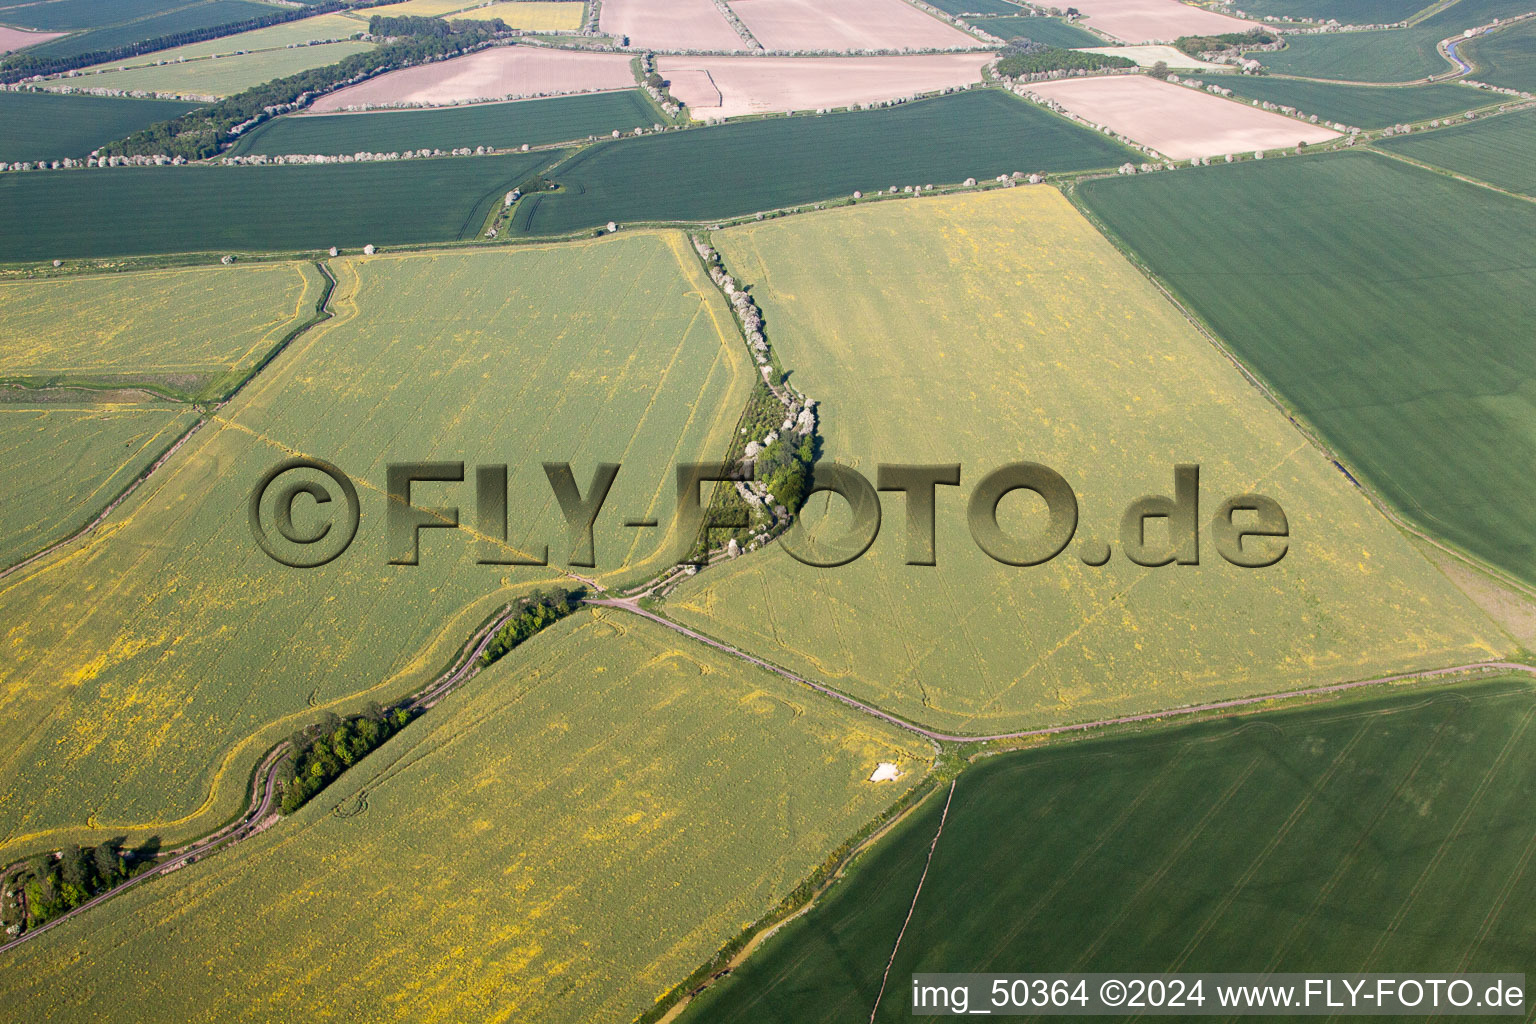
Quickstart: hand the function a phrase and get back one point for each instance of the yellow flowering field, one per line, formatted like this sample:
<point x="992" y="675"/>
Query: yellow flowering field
<point x="997" y="327"/>
<point x="146" y="667"/>
<point x="191" y="332"/>
<point x="563" y="840"/>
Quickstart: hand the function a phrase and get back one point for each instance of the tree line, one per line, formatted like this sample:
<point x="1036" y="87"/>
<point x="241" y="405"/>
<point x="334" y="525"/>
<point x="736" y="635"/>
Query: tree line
<point x="318" y="754"/>
<point x="1024" y="56"/>
<point x="1194" y="46"/>
<point x="55" y="885"/>
<point x="540" y="609"/>
<point x="202" y="132"/>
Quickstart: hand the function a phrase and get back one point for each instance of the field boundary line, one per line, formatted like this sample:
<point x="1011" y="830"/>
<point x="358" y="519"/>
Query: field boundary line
<point x="1306" y="430"/>
<point x="943" y="817"/>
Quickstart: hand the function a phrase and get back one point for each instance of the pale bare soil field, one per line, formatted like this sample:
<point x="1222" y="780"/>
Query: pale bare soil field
<point x="498" y="73"/>
<point x="1146" y="56"/>
<point x="670" y="24"/>
<point x="719" y="87"/>
<point x="1178" y="122"/>
<point x="846" y="25"/>
<point x="1156" y="21"/>
<point x="17" y="39"/>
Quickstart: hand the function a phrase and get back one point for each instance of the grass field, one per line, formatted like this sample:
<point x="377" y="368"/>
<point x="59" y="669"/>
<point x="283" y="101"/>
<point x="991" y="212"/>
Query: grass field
<point x="218" y="77"/>
<point x="988" y="328"/>
<point x="135" y="210"/>
<point x="502" y="125"/>
<point x="61" y="464"/>
<point x="740" y="168"/>
<point x="193" y="333"/>
<point x="530" y="15"/>
<point x="975" y="6"/>
<point x="1506" y="57"/>
<point x="1428" y="395"/>
<point x="1376" y="835"/>
<point x="563" y="841"/>
<point x="209" y="14"/>
<point x="1362" y="106"/>
<point x="1050" y="31"/>
<point x="324" y="26"/>
<point x="40" y="126"/>
<point x="147" y="667"/>
<point x="1498" y="150"/>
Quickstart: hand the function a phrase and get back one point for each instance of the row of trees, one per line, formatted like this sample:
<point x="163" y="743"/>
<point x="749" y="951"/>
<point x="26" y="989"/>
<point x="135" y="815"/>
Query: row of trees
<point x="1026" y="57"/>
<point x="1194" y="46"/>
<point x="323" y="751"/>
<point x="411" y="25"/>
<point x="540" y="609"/>
<point x="201" y="133"/>
<point x="55" y="886"/>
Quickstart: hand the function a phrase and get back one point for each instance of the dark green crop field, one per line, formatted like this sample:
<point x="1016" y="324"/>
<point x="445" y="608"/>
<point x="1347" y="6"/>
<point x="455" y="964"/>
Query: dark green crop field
<point x="735" y="169"/>
<point x="66" y="15"/>
<point x="1050" y="31"/>
<point x="43" y="126"/>
<point x="137" y="210"/>
<point x="1346" y="12"/>
<point x="1364" y="106"/>
<point x="1373" y="835"/>
<point x="975" y="6"/>
<point x="1506" y="57"/>
<point x="1384" y="55"/>
<point x="1499" y="150"/>
<point x="1387" y="304"/>
<point x="185" y="19"/>
<point x="499" y="125"/>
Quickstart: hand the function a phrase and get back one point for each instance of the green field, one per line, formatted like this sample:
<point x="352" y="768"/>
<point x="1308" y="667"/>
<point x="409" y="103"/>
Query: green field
<point x="1499" y="150"/>
<point x="190" y="334"/>
<point x="68" y="15"/>
<point x="1506" y="58"/>
<point x="147" y="667"/>
<point x="1362" y="106"/>
<point x="562" y="841"/>
<point x="1374" y="835"/>
<point x="42" y="126"/>
<point x="993" y="327"/>
<point x="1393" y="314"/>
<point x="61" y="464"/>
<point x="134" y="210"/>
<point x="1345" y="12"/>
<point x="500" y="125"/>
<point x="758" y="165"/>
<point x="1384" y="55"/>
<point x="1050" y="31"/>
<point x="975" y="6"/>
<point x="208" y="14"/>
<point x="304" y="30"/>
<point x="218" y="77"/>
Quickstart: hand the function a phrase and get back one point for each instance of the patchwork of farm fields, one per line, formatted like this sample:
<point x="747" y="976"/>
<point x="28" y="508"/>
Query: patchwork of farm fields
<point x="61" y="464"/>
<point x="530" y="15"/>
<point x="735" y="169"/>
<point x="148" y="665"/>
<point x="1375" y="835"/>
<point x="191" y="334"/>
<point x="217" y="76"/>
<point x="1499" y="150"/>
<point x="1362" y="106"/>
<point x="41" y="126"/>
<point x="1383" y="55"/>
<point x="331" y="27"/>
<point x="989" y="328"/>
<point x="1403" y="339"/>
<point x="563" y="841"/>
<point x="138" y="210"/>
<point x="502" y="125"/>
